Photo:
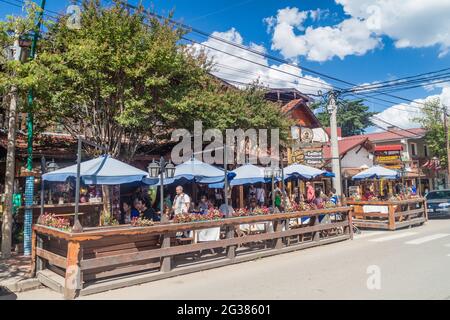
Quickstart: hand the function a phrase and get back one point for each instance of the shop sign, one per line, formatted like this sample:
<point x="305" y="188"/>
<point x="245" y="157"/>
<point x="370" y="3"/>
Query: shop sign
<point x="310" y="157"/>
<point x="388" y="159"/>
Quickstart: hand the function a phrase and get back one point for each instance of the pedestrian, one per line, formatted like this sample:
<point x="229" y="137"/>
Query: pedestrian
<point x="182" y="202"/>
<point x="260" y="195"/>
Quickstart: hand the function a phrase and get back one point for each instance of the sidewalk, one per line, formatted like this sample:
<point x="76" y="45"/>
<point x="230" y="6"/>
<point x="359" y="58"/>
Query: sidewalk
<point x="15" y="275"/>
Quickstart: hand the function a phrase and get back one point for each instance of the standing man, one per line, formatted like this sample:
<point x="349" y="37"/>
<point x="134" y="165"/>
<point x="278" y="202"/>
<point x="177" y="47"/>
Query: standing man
<point x="260" y="195"/>
<point x="182" y="202"/>
<point x="310" y="193"/>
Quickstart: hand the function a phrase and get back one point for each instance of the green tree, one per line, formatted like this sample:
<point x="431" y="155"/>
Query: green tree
<point x="431" y="120"/>
<point x="352" y="116"/>
<point x="117" y="80"/>
<point x="14" y="32"/>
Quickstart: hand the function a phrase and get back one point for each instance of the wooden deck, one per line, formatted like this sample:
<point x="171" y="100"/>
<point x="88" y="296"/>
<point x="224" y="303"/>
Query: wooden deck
<point x="401" y="214"/>
<point x="101" y="259"/>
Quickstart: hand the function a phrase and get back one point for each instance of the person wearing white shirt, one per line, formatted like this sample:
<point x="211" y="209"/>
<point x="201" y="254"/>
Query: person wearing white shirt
<point x="182" y="202"/>
<point x="260" y="196"/>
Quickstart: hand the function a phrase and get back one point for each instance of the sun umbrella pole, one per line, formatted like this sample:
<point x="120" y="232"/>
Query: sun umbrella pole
<point x="42" y="184"/>
<point x="76" y="224"/>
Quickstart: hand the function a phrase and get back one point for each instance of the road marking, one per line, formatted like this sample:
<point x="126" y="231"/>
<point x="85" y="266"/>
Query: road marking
<point x="428" y="238"/>
<point x="394" y="237"/>
<point x="368" y="234"/>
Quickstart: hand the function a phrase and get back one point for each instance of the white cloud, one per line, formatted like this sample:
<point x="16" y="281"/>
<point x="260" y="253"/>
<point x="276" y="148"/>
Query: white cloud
<point x="402" y="115"/>
<point x="241" y="71"/>
<point x="410" y="23"/>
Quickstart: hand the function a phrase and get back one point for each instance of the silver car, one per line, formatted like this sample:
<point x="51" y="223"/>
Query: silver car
<point x="438" y="204"/>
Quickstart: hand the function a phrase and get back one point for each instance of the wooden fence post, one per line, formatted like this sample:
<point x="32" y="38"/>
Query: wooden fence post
<point x="231" y="250"/>
<point x="33" y="254"/>
<point x="166" y="264"/>
<point x="73" y="283"/>
<point x="278" y="228"/>
<point x="391" y="224"/>
<point x="350" y="222"/>
<point x="316" y="234"/>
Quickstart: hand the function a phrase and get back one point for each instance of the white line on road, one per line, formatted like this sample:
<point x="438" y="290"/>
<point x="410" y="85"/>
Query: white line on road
<point x="395" y="236"/>
<point x="428" y="238"/>
<point x="368" y="234"/>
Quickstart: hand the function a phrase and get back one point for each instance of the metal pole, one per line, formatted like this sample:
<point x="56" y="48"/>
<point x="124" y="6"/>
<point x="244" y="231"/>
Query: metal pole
<point x="283" y="189"/>
<point x="337" y="182"/>
<point x="447" y="141"/>
<point x="225" y="181"/>
<point x="76" y="224"/>
<point x="273" y="189"/>
<point x="43" y="165"/>
<point x="162" y="169"/>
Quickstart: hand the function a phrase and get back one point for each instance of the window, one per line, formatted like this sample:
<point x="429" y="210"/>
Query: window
<point x="425" y="150"/>
<point x="414" y="149"/>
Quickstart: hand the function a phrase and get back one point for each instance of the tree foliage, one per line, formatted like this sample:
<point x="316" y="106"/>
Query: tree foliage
<point x="352" y="116"/>
<point x="432" y="121"/>
<point x="126" y="78"/>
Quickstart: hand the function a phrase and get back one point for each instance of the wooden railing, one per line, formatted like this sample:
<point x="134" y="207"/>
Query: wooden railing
<point x="80" y="260"/>
<point x="400" y="214"/>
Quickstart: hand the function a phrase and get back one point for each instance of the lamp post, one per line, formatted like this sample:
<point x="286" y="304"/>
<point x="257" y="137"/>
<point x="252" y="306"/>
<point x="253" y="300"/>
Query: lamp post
<point x="158" y="169"/>
<point x="272" y="173"/>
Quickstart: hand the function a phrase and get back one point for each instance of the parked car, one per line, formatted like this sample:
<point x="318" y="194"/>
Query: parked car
<point x="438" y="203"/>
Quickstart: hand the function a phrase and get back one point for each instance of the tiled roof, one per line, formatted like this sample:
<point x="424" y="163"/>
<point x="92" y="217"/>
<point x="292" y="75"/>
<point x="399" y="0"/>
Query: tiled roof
<point x="395" y="134"/>
<point x="345" y="145"/>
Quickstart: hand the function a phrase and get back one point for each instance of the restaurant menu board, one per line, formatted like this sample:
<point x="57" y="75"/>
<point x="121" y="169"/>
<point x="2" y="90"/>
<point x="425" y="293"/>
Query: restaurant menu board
<point x="115" y="201"/>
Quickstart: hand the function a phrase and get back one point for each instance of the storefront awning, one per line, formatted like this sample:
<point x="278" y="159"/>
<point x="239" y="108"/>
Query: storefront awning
<point x="392" y="147"/>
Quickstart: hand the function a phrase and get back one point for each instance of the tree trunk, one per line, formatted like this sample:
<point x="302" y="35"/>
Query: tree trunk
<point x="9" y="178"/>
<point x="106" y="212"/>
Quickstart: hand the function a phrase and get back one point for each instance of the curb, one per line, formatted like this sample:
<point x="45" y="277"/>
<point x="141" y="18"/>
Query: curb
<point x="22" y="285"/>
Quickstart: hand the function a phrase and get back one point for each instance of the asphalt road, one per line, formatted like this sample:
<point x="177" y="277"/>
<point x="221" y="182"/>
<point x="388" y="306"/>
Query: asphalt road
<point x="407" y="264"/>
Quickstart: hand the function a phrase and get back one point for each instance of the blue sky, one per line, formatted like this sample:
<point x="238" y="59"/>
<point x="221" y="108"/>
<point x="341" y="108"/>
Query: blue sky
<point x="360" y="41"/>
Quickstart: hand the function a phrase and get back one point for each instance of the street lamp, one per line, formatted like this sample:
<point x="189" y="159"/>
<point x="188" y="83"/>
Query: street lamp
<point x="272" y="173"/>
<point x="159" y="169"/>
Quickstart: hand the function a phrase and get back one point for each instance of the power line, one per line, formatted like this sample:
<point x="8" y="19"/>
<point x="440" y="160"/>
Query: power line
<point x="378" y="84"/>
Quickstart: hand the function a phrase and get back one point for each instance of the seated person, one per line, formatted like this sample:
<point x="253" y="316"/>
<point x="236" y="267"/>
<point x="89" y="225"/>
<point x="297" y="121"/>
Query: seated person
<point x="318" y="201"/>
<point x="204" y="205"/>
<point x="147" y="211"/>
<point x="223" y="208"/>
<point x="135" y="209"/>
<point x="253" y="205"/>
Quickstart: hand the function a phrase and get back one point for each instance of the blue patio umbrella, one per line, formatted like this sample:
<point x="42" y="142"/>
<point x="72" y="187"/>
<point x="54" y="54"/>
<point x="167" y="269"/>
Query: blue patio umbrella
<point x="377" y="172"/>
<point x="194" y="171"/>
<point x="246" y="174"/>
<point x="100" y="171"/>
<point x="300" y="171"/>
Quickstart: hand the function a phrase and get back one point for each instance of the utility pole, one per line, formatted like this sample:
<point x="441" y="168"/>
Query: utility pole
<point x="29" y="182"/>
<point x="335" y="161"/>
<point x="10" y="164"/>
<point x="447" y="141"/>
